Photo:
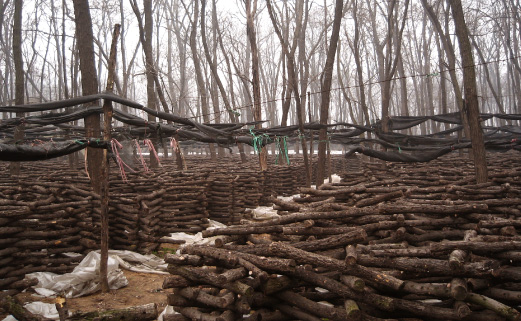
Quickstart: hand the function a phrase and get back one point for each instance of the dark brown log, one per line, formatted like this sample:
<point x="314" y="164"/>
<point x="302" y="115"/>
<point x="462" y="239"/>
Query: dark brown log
<point x="353" y="282"/>
<point x="378" y="301"/>
<point x="312" y="307"/>
<point x="207" y="277"/>
<point x="479" y="247"/>
<point x="462" y="309"/>
<point x="198" y="294"/>
<point x="185" y="259"/>
<point x="411" y="251"/>
<point x="457" y="259"/>
<point x="195" y="314"/>
<point x="428" y="266"/>
<point x="276" y="284"/>
<point x="297" y="230"/>
<point x="176" y="281"/>
<point x="298" y="217"/>
<point x="458" y="289"/>
<point x="352" y="309"/>
<point x="355" y="236"/>
<point x="502" y="294"/>
<point x="350" y="255"/>
<point x="266" y="263"/>
<point x="379" y="198"/>
<point x="513" y="256"/>
<point x="10" y="305"/>
<point x="497" y="307"/>
<point x="305" y="257"/>
<point x="430" y="289"/>
<point x="235" y="274"/>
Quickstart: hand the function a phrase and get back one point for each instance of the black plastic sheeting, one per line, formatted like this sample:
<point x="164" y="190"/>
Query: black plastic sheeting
<point x="69" y="103"/>
<point x="185" y="129"/>
<point x="426" y="156"/>
<point x="48" y="150"/>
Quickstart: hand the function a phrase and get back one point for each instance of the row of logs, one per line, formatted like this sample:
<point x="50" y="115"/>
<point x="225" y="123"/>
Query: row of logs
<point x="407" y="241"/>
<point x="50" y="210"/>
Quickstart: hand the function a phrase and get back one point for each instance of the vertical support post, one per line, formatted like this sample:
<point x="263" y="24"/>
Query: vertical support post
<point x="311" y="133"/>
<point x="107" y="128"/>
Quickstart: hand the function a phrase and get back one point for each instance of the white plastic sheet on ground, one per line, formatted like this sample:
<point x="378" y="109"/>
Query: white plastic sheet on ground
<point x="168" y="310"/>
<point x="264" y="213"/>
<point x="334" y="179"/>
<point x="198" y="237"/>
<point x="84" y="279"/>
<point x="47" y="310"/>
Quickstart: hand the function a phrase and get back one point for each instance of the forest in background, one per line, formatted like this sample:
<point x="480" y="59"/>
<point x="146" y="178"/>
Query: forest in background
<point x="401" y="54"/>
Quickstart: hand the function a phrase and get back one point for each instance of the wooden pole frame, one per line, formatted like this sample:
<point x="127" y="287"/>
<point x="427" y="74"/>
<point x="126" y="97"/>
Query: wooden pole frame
<point x="107" y="128"/>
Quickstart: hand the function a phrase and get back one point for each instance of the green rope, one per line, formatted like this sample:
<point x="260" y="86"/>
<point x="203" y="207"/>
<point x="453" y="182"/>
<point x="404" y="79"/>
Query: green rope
<point x="286" y="148"/>
<point x="399" y="149"/>
<point x="277" y="145"/>
<point x="258" y="140"/>
<point x="79" y="142"/>
<point x="282" y="148"/>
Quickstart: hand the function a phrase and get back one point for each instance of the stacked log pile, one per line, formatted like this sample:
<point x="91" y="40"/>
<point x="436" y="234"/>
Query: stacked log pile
<point x="222" y="198"/>
<point x="426" y="244"/>
<point x="42" y="218"/>
<point x="184" y="207"/>
<point x="230" y="192"/>
<point x="285" y="180"/>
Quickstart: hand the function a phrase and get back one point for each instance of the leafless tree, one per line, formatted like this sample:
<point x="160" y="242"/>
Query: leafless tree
<point x="471" y="93"/>
<point x="325" y="91"/>
<point x="14" y="167"/>
<point x="89" y="84"/>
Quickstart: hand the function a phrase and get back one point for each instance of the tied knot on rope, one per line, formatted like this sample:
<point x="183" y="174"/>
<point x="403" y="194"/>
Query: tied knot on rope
<point x="282" y="147"/>
<point x="258" y="140"/>
<point x="174" y="144"/>
<point x="145" y="167"/>
<point x="116" y="146"/>
<point x="152" y="150"/>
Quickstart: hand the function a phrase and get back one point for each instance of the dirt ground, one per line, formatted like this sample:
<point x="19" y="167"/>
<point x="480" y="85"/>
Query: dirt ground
<point x="142" y="288"/>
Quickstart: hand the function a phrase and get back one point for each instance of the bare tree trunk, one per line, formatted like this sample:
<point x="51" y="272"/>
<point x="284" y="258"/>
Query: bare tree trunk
<point x="201" y="87"/>
<point x="14" y="167"/>
<point x="451" y="59"/>
<point x="89" y="85"/>
<point x="326" y="94"/>
<point x="443" y="82"/>
<point x="487" y="76"/>
<point x="471" y="94"/>
<point x="292" y="78"/>
<point x="240" y="146"/>
<point x="213" y="65"/>
<point x="145" y="36"/>
<point x="147" y="47"/>
<point x="257" y="112"/>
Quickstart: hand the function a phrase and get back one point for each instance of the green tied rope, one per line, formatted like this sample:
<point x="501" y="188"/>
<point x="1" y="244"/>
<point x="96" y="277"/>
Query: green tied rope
<point x="258" y="140"/>
<point x="282" y="148"/>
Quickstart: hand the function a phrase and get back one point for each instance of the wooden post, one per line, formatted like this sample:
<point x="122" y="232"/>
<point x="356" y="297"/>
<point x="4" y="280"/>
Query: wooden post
<point x="311" y="133"/>
<point x="107" y="128"/>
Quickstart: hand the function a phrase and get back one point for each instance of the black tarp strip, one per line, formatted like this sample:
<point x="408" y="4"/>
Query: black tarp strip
<point x="26" y="153"/>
